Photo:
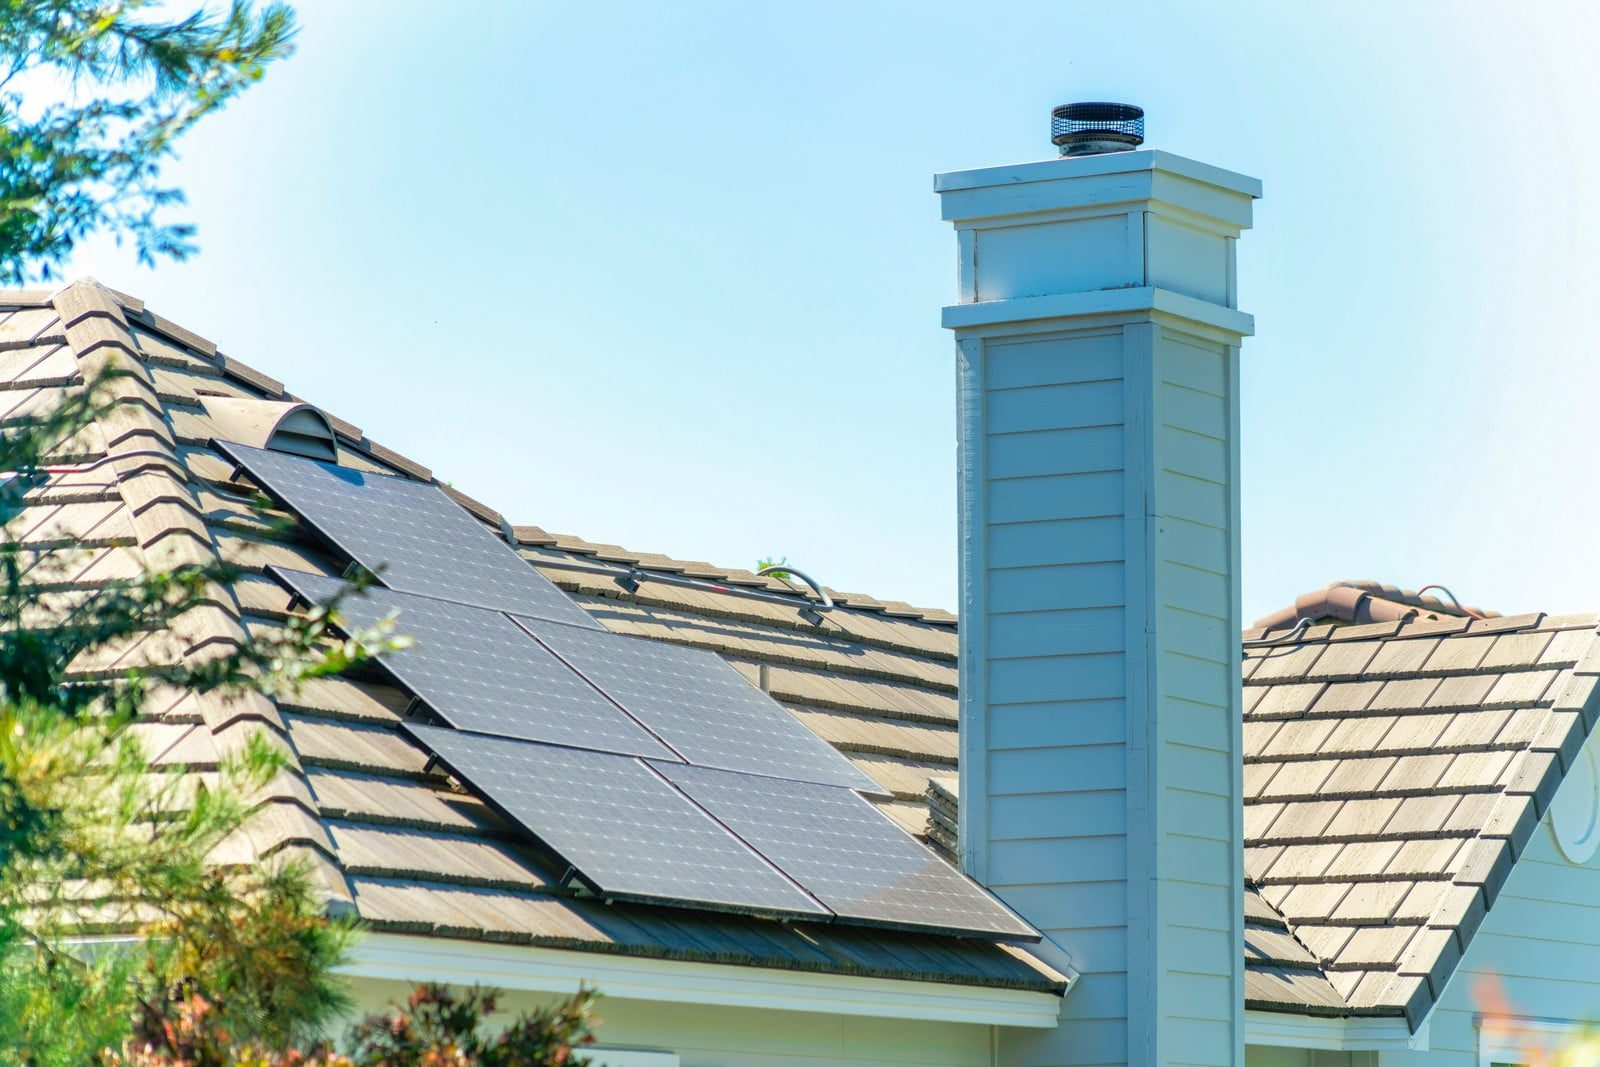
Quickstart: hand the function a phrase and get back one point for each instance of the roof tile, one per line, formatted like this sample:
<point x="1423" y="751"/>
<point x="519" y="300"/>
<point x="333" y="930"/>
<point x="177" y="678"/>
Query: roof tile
<point x="1363" y="816"/>
<point x="1417" y="772"/>
<point x="1355" y="777"/>
<point x="1463" y="691"/>
<point x="1423" y="815"/>
<point x="1404" y="693"/>
<point x="1377" y="946"/>
<point x="1516" y="650"/>
<point x="1423" y="857"/>
<point x="1313" y="901"/>
<point x="1280" y="700"/>
<point x="1341" y="697"/>
<point x="1347" y="659"/>
<point x="1458" y="655"/>
<point x="1287" y="661"/>
<point x="1525" y="687"/>
<point x="1362" y="860"/>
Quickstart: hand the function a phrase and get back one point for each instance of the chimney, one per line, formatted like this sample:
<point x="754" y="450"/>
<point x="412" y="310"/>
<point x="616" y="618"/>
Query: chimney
<point x="1097" y="346"/>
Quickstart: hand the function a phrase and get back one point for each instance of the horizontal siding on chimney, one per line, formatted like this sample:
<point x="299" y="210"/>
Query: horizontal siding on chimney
<point x="1099" y="682"/>
<point x="1195" y="671"/>
<point x="1055" y="667"/>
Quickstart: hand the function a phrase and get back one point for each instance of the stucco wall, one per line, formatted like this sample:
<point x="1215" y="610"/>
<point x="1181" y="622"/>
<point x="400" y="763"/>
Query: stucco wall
<point x="707" y="1036"/>
<point x="1272" y="1056"/>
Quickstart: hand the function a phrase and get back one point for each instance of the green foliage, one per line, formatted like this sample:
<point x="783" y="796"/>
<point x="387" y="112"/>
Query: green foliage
<point x="128" y="79"/>
<point x="434" y="1028"/>
<point x="94" y="838"/>
<point x="438" y="1027"/>
<point x="776" y="562"/>
<point x="138" y="928"/>
<point x="210" y="962"/>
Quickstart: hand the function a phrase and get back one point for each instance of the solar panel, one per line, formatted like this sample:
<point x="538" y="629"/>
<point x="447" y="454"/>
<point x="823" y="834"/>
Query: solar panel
<point x="426" y="542"/>
<point x="847" y="854"/>
<point x="480" y="671"/>
<point x="702" y="707"/>
<point x="628" y="833"/>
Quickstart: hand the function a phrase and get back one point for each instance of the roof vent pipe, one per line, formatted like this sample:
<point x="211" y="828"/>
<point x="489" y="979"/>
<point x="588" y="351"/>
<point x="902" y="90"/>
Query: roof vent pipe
<point x="1093" y="128"/>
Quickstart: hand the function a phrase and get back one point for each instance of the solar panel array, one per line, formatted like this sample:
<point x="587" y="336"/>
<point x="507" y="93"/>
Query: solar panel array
<point x="625" y="829"/>
<point x="478" y="670"/>
<point x="655" y="771"/>
<point x="700" y="706"/>
<point x="845" y="853"/>
<point x="423" y="541"/>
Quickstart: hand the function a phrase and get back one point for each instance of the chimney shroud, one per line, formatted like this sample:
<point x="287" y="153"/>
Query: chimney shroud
<point x="1097" y="341"/>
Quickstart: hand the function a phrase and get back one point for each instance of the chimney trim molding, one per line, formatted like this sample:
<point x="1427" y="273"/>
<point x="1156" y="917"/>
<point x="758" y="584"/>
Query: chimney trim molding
<point x="1093" y="166"/>
<point x="1099" y="302"/>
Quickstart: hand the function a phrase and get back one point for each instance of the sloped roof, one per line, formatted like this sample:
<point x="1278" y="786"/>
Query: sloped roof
<point x="1393" y="773"/>
<point x="1394" y="768"/>
<point x="403" y="848"/>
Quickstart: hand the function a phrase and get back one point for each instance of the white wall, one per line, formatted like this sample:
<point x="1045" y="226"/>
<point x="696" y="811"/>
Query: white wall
<point x="708" y="1036"/>
<point x="1272" y="1056"/>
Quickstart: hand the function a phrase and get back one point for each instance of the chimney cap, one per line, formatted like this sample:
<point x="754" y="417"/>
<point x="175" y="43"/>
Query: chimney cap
<point x="1092" y="127"/>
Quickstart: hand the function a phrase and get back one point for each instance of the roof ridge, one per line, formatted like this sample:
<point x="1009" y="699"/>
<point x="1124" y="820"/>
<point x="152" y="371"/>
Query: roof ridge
<point x="1417" y="598"/>
<point x="1359" y="601"/>
<point x="170" y="530"/>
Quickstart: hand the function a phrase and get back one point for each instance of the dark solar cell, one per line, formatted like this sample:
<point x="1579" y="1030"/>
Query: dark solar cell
<point x="847" y="854"/>
<point x="426" y="542"/>
<point x="628" y="832"/>
<point x="700" y="706"/>
<point x="480" y="671"/>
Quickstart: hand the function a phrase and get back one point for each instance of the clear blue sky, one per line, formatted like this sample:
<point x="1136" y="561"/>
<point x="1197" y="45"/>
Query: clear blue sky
<point x="669" y="275"/>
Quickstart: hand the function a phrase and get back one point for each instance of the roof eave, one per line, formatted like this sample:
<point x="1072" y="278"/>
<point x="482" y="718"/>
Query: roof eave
<point x="1344" y="1033"/>
<point x="413" y="958"/>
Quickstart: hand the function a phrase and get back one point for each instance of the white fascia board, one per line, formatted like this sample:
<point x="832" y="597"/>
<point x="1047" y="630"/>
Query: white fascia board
<point x="408" y="958"/>
<point x="1099" y="302"/>
<point x="1353" y="1034"/>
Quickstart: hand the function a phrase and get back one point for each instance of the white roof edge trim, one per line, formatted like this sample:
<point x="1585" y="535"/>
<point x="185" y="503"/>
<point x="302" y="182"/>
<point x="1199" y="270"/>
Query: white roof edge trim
<point x="1098" y="302"/>
<point x="1346" y="1034"/>
<point x="1091" y="166"/>
<point x="410" y="958"/>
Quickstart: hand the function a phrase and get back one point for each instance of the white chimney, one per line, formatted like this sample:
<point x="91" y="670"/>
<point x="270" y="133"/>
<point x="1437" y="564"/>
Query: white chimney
<point x="1097" y="343"/>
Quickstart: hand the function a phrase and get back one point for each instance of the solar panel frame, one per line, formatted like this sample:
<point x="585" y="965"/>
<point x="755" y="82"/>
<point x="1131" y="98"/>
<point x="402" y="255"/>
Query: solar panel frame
<point x="410" y="533"/>
<point x="612" y="818"/>
<point x="848" y="854"/>
<point x="480" y="671"/>
<point x="700" y="706"/>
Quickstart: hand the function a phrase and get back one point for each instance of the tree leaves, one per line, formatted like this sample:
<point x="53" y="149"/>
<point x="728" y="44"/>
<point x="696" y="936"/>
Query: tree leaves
<point x="134" y="80"/>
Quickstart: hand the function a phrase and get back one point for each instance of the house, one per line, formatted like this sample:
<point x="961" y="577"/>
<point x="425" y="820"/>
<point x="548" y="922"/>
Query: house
<point x="1311" y="866"/>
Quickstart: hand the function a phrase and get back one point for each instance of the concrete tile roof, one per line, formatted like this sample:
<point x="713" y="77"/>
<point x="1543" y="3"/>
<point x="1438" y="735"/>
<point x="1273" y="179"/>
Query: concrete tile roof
<point x="404" y="849"/>
<point x="1394" y="768"/>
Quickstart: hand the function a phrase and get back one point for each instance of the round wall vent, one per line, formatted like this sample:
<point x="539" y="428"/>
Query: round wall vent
<point x="1575" y="813"/>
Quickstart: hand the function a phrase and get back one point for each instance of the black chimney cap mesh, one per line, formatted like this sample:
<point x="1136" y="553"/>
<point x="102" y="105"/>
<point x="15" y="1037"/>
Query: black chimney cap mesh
<point x="1090" y="122"/>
